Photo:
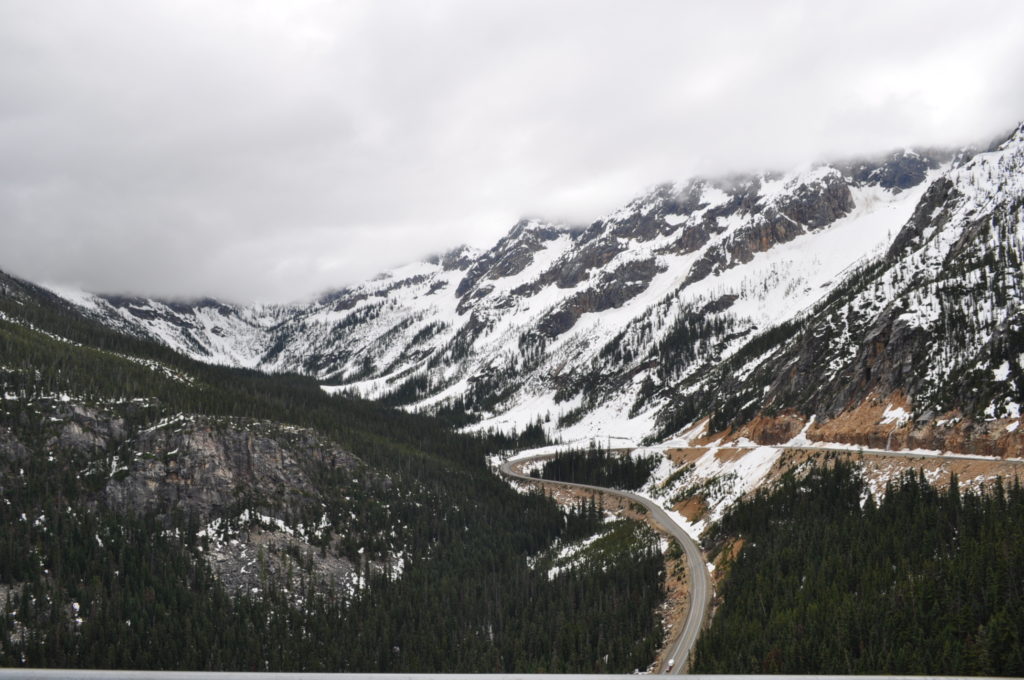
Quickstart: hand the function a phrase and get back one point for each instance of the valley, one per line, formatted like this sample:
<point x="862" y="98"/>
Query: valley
<point x="389" y="341"/>
<point x="712" y="343"/>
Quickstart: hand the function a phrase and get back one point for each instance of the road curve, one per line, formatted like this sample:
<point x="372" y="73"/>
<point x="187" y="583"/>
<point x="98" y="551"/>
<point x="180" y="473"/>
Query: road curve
<point x="700" y="579"/>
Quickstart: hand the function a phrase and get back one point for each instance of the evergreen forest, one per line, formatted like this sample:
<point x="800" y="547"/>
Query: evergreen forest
<point x="86" y="585"/>
<point x="832" y="580"/>
<point x="824" y="576"/>
<point x="598" y="466"/>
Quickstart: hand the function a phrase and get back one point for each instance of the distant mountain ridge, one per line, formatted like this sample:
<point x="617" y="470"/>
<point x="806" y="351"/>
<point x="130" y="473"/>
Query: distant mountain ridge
<point x="613" y="330"/>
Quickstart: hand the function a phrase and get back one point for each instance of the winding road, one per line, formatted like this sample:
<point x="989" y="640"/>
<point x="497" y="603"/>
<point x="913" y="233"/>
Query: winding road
<point x="700" y="579"/>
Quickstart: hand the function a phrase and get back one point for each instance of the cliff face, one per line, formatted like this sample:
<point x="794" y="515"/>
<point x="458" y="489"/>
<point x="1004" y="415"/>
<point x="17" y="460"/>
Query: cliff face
<point x="272" y="505"/>
<point x="208" y="467"/>
<point x="275" y="504"/>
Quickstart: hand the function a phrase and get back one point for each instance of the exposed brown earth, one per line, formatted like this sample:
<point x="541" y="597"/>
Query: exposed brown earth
<point x="773" y="430"/>
<point x="730" y="554"/>
<point x="726" y="556"/>
<point x="692" y="508"/>
<point x="863" y="425"/>
<point x="729" y="455"/>
<point x="676" y="605"/>
<point x="715" y="437"/>
<point x="685" y="455"/>
<point x="987" y="438"/>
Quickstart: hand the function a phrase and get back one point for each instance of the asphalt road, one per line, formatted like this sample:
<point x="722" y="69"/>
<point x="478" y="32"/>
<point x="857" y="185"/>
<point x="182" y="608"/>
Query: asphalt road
<point x="877" y="452"/>
<point x="700" y="579"/>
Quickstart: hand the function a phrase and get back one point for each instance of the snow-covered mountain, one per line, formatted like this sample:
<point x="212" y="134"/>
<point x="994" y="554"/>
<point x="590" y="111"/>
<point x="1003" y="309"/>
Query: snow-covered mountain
<point x="589" y="330"/>
<point x="920" y="347"/>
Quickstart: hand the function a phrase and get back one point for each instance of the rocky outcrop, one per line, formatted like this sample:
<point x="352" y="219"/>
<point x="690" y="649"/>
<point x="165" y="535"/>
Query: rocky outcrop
<point x="85" y="429"/>
<point x="805" y="207"/>
<point x="259" y="490"/>
<point x="613" y="289"/>
<point x="899" y="170"/>
<point x="773" y="430"/>
<point x="575" y="266"/>
<point x="206" y="467"/>
<point x="886" y="360"/>
<point x="456" y="259"/>
<point x="262" y="558"/>
<point x="273" y="505"/>
<point x="817" y="204"/>
<point x="720" y="304"/>
<point x="511" y="255"/>
<point x="932" y="212"/>
<point x="694" y="237"/>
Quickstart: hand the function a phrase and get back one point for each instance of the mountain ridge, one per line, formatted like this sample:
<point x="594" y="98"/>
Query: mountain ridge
<point x="592" y="330"/>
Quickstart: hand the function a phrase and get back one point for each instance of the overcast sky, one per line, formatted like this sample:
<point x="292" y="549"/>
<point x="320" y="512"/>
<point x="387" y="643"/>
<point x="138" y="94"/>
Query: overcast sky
<point x="268" y="150"/>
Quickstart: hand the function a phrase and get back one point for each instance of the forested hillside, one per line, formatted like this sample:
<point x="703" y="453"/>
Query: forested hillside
<point x="428" y="551"/>
<point x="832" y="580"/>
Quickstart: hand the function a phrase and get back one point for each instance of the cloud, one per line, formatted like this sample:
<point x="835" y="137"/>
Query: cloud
<point x="254" y="149"/>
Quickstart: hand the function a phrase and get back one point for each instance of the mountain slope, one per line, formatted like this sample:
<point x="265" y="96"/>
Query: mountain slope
<point x="582" y="329"/>
<point x="249" y="520"/>
<point x="922" y="346"/>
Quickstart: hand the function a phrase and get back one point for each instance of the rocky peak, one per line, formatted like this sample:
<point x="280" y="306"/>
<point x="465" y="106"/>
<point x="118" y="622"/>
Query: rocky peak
<point x="512" y="254"/>
<point x="189" y="306"/>
<point x="898" y="170"/>
<point x="460" y="258"/>
<point x="816" y="200"/>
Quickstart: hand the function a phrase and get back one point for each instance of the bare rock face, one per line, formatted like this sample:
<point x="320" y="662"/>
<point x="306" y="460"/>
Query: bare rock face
<point x="773" y="430"/>
<point x="576" y="268"/>
<point x="806" y="207"/>
<point x="254" y="489"/>
<point x="933" y="211"/>
<point x="206" y="467"/>
<point x="613" y="289"/>
<point x="458" y="259"/>
<point x="87" y="432"/>
<point x="899" y="170"/>
<point x="818" y="204"/>
<point x="510" y="256"/>
<point x="84" y="429"/>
